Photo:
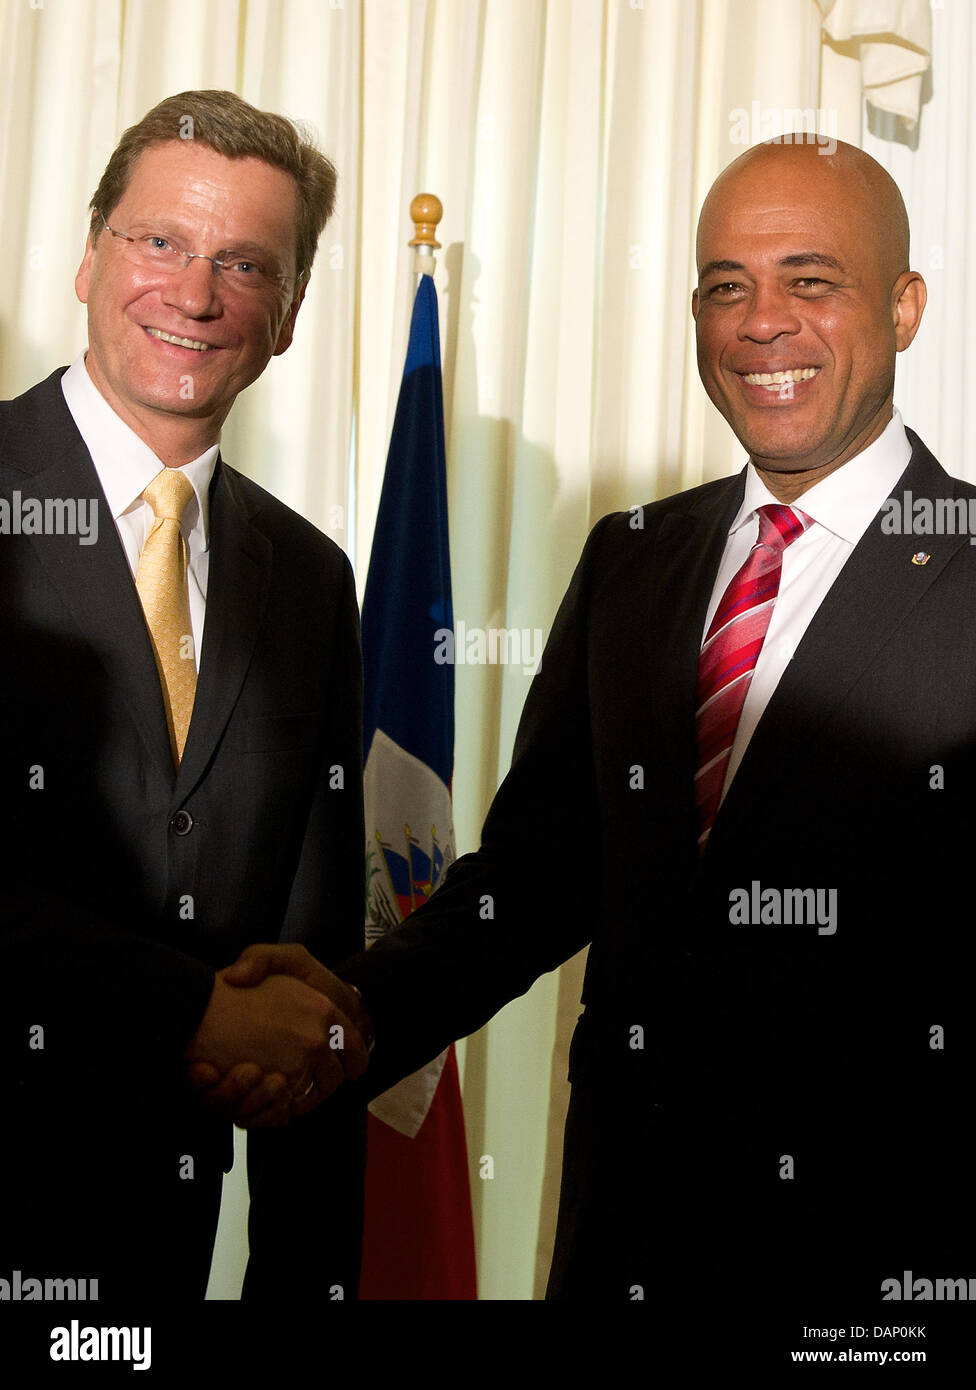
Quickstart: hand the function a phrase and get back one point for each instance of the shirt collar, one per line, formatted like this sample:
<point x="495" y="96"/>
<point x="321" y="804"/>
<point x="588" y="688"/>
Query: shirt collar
<point x="847" y="500"/>
<point x="125" y="464"/>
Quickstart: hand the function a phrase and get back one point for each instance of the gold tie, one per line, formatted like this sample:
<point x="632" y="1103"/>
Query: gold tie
<point x="161" y="582"/>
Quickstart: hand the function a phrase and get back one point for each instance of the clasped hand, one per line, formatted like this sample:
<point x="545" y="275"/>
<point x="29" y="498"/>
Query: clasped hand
<point x="301" y="1030"/>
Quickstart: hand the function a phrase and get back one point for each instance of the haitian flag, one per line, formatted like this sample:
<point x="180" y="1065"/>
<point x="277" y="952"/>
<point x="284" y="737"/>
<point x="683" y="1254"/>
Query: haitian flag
<point x="418" y="1240"/>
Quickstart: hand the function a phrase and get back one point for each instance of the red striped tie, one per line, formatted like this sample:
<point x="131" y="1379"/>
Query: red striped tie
<point x="730" y="651"/>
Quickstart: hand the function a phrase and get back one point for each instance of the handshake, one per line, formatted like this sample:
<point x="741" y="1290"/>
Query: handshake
<point x="280" y="1034"/>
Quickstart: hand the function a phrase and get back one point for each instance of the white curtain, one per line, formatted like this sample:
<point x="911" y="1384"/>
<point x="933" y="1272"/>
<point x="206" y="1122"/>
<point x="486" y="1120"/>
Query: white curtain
<point x="571" y="143"/>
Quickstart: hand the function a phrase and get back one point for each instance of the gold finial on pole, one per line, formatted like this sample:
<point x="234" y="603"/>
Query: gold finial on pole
<point x="426" y="211"/>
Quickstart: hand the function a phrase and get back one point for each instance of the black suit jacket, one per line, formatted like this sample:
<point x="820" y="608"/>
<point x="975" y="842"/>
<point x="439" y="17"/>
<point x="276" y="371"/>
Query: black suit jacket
<point x="126" y="884"/>
<point x="757" y="1110"/>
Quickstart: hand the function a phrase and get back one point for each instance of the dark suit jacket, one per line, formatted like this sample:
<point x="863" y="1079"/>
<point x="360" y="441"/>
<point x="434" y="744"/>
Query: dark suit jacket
<point x="125" y="885"/>
<point x="755" y="1108"/>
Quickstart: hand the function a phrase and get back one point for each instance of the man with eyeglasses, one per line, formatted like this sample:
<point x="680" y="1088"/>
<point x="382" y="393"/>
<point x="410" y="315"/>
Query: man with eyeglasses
<point x="186" y="776"/>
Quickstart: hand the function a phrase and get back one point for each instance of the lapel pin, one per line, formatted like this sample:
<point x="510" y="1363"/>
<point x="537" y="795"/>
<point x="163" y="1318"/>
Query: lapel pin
<point x="921" y="557"/>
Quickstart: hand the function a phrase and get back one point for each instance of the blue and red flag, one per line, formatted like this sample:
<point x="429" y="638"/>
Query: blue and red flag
<point x="419" y="1235"/>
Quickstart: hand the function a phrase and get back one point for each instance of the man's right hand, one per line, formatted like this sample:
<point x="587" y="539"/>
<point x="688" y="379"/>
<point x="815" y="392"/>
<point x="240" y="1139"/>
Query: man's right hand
<point x="281" y="1025"/>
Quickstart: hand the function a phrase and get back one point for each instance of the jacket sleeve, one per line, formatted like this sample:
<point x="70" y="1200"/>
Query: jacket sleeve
<point x="91" y="987"/>
<point x="526" y="900"/>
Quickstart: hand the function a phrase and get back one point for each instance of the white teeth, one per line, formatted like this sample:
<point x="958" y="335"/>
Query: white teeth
<point x="780" y="378"/>
<point x="180" y="342"/>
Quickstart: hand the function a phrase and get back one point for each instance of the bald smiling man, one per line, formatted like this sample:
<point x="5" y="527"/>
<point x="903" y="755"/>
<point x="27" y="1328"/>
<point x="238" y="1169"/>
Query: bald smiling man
<point x="803" y="269"/>
<point x="744" y="776"/>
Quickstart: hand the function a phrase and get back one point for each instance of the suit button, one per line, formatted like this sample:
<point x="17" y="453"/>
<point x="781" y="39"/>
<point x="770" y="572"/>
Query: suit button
<point x="182" y="823"/>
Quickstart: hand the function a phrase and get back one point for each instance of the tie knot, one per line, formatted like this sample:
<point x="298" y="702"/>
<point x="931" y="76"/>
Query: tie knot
<point x="168" y="494"/>
<point x="779" y="526"/>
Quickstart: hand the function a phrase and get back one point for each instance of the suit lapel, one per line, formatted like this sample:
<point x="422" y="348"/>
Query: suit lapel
<point x="237" y="594"/>
<point x="871" y="596"/>
<point x="46" y="458"/>
<point x="652" y="673"/>
<point x="688" y="552"/>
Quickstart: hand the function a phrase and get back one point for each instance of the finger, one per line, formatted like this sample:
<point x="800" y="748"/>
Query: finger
<point x="306" y="1100"/>
<point x="232" y="1088"/>
<point x="271" y="1091"/>
<point x="251" y="967"/>
<point x="271" y="958"/>
<point x="327" y="1071"/>
<point x="273" y="1116"/>
<point x="350" y="1049"/>
<point x="202" y="1075"/>
<point x="342" y="1048"/>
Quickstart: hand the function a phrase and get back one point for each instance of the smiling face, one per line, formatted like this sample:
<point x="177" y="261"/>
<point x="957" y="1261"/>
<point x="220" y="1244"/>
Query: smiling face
<point x="804" y="297"/>
<point x="176" y="397"/>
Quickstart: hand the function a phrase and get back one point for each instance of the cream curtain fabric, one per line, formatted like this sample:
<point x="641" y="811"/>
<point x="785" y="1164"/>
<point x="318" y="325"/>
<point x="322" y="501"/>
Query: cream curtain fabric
<point x="571" y="143"/>
<point x="891" y="42"/>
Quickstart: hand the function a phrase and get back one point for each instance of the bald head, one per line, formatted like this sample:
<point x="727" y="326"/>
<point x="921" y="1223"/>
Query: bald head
<point x="849" y="182"/>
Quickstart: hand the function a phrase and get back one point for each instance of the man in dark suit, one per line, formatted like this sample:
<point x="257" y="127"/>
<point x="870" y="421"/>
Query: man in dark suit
<point x="182" y="772"/>
<point x="743" y="776"/>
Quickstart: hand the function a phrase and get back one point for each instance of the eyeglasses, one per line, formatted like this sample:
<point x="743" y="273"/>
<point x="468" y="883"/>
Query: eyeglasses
<point x="240" y="272"/>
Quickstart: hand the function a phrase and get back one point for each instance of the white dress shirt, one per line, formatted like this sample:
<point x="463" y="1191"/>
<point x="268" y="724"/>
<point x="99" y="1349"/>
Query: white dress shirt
<point x="842" y="505"/>
<point x="125" y="467"/>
